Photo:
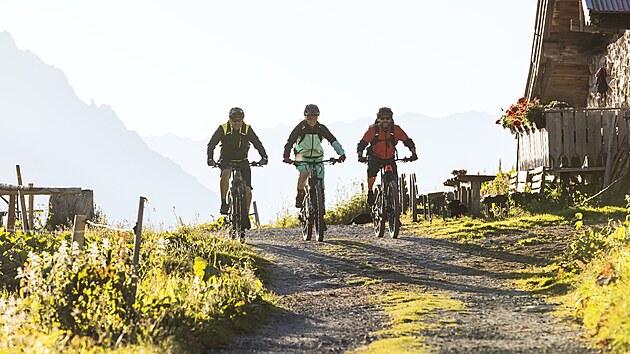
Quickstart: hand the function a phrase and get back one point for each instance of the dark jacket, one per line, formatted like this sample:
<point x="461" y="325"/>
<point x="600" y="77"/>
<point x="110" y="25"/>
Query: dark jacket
<point x="235" y="144"/>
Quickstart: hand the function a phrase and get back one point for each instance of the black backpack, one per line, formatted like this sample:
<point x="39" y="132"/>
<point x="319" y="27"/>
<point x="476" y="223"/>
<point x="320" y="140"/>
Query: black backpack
<point x="377" y="129"/>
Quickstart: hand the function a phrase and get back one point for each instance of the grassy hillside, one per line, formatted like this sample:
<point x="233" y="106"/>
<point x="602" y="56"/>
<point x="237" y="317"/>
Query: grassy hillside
<point x="194" y="292"/>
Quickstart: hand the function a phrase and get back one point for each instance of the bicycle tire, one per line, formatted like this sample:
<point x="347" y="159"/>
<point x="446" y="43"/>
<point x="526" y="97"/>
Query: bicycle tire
<point x="377" y="214"/>
<point x="306" y="219"/>
<point x="243" y="215"/>
<point x="393" y="210"/>
<point x="236" y="214"/>
<point x="319" y="208"/>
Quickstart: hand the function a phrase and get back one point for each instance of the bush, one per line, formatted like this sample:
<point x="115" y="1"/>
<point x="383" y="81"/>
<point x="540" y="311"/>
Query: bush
<point x="191" y="286"/>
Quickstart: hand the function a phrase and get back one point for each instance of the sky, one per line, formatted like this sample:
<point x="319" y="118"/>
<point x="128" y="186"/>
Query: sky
<point x="179" y="66"/>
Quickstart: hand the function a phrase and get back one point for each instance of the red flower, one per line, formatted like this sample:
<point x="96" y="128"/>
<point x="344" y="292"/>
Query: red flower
<point x="498" y="121"/>
<point x="522" y="100"/>
<point x="517" y="123"/>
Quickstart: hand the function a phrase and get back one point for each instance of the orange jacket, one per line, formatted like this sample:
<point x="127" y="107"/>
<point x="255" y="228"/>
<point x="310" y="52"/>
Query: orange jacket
<point x="384" y="144"/>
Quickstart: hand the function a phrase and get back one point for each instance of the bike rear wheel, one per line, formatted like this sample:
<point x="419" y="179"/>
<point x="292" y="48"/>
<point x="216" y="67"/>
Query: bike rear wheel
<point x="377" y="214"/>
<point x="393" y="209"/>
<point x="318" y="203"/>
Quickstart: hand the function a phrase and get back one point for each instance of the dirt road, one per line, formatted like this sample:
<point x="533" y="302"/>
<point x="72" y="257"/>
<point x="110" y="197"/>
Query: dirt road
<point x="329" y="292"/>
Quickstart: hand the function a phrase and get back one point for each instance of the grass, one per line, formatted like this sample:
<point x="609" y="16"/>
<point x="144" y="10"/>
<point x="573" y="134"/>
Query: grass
<point x="589" y="283"/>
<point x="466" y="228"/>
<point x="196" y="291"/>
<point x="412" y="314"/>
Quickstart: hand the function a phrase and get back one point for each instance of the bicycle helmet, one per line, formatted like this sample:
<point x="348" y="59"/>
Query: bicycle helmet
<point x="236" y="113"/>
<point x="311" y="110"/>
<point x="385" y="112"/>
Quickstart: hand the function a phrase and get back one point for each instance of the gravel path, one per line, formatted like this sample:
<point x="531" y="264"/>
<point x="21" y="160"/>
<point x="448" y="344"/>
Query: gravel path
<point x="327" y="306"/>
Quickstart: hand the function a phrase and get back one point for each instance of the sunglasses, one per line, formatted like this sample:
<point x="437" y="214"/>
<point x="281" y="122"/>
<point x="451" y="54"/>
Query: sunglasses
<point x="385" y="118"/>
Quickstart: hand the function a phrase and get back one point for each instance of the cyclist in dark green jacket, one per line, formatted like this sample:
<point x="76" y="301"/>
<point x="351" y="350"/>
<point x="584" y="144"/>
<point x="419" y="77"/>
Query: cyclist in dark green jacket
<point x="235" y="137"/>
<point x="306" y="141"/>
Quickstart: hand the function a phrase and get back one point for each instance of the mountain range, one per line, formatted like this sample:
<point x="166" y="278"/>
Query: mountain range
<point x="60" y="140"/>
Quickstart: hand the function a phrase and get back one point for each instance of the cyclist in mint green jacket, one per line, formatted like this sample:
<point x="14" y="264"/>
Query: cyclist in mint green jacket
<point x="306" y="141"/>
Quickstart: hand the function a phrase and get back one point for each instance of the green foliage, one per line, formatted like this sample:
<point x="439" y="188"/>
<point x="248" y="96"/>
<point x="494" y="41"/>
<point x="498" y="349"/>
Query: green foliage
<point x="193" y="290"/>
<point x="15" y="249"/>
<point x="499" y="185"/>
<point x="345" y="210"/>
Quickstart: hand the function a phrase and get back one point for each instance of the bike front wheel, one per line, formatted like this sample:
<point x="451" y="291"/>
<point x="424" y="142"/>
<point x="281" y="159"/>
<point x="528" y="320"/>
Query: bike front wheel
<point x="377" y="215"/>
<point x="236" y="215"/>
<point x="305" y="218"/>
<point x="393" y="209"/>
<point x="318" y="203"/>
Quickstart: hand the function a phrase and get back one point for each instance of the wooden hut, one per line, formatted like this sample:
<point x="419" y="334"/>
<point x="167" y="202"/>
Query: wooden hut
<point x="574" y="42"/>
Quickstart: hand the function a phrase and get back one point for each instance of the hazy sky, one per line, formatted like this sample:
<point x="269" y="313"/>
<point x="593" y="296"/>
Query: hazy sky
<point x="178" y="66"/>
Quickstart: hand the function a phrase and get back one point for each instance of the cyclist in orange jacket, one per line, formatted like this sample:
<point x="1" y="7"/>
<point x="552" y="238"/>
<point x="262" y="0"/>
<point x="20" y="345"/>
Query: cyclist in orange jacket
<point x="382" y="138"/>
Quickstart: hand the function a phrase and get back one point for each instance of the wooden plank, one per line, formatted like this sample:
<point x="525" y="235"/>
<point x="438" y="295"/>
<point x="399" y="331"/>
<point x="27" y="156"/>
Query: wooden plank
<point x="568" y="134"/>
<point x="7" y="189"/>
<point x="554" y="137"/>
<point x="610" y="132"/>
<point x="23" y="207"/>
<point x="537" y="179"/>
<point x="11" y="214"/>
<point x="31" y="208"/>
<point x="544" y="141"/>
<point x="594" y="137"/>
<point x="581" y="148"/>
<point x="521" y="181"/>
<point x="78" y="230"/>
<point x="622" y="130"/>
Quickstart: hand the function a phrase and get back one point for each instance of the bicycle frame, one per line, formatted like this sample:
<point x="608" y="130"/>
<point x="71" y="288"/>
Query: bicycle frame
<point x="386" y="208"/>
<point x="236" y="199"/>
<point x="313" y="208"/>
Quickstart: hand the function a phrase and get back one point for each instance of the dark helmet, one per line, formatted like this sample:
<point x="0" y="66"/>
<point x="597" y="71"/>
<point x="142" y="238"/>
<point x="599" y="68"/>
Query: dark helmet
<point x="236" y="113"/>
<point x="385" y="112"/>
<point x="311" y="110"/>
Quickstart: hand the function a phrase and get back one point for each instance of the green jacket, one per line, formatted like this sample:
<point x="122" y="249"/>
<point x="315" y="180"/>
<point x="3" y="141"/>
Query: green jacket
<point x="306" y="141"/>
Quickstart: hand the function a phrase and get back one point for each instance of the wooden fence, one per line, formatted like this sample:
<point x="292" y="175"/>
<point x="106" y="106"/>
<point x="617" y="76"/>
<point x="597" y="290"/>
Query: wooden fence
<point x="584" y="139"/>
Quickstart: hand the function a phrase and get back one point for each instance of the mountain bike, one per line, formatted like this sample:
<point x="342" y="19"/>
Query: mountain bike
<point x="386" y="207"/>
<point x="236" y="199"/>
<point x="313" y="207"/>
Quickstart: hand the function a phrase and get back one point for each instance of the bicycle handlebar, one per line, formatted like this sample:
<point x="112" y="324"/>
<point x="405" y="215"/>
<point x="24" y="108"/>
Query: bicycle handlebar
<point x="235" y="164"/>
<point x="331" y="161"/>
<point x="404" y="159"/>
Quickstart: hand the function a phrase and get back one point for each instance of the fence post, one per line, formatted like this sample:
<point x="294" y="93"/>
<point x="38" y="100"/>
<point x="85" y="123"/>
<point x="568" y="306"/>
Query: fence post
<point x="11" y="214"/>
<point x="413" y="197"/>
<point x="78" y="230"/>
<point x="136" y="250"/>
<point x="25" y="226"/>
<point x="31" y="208"/>
<point x="256" y="219"/>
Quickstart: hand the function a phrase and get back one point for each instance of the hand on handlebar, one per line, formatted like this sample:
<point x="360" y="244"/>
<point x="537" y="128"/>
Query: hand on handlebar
<point x="342" y="158"/>
<point x="211" y="163"/>
<point x="413" y="157"/>
<point x="263" y="161"/>
<point x="287" y="160"/>
<point x="363" y="159"/>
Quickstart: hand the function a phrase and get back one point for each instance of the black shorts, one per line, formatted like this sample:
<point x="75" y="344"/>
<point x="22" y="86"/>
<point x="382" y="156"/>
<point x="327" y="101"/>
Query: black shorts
<point x="374" y="166"/>
<point x="246" y="171"/>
